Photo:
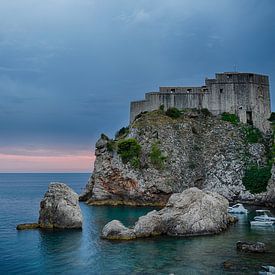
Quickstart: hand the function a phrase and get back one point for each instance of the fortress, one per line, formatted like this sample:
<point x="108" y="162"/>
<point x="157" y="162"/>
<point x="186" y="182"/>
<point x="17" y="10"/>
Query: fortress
<point x="244" y="94"/>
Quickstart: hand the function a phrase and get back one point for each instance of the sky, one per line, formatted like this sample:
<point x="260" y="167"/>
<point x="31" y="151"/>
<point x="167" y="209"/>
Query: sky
<point x="69" y="68"/>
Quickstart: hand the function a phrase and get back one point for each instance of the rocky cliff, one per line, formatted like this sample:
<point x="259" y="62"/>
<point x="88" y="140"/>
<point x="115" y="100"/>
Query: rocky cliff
<point x="159" y="155"/>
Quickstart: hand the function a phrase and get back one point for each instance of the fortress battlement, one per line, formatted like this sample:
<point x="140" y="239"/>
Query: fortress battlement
<point x="245" y="94"/>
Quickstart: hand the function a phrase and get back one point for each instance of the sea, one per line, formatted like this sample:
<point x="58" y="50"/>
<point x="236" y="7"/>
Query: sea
<point x="84" y="252"/>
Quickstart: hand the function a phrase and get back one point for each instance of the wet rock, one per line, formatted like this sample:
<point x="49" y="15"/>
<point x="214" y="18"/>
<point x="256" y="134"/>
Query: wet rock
<point x="228" y="265"/>
<point x="192" y="212"/>
<point x="257" y="247"/>
<point x="60" y="208"/>
<point x="115" y="230"/>
<point x="25" y="226"/>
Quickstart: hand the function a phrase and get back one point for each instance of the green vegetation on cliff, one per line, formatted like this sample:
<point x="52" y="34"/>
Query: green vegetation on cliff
<point x="230" y="118"/>
<point x="156" y="157"/>
<point x="129" y="151"/>
<point x="256" y="178"/>
<point x="173" y="112"/>
<point x="272" y="117"/>
<point x="252" y="134"/>
<point x="122" y="133"/>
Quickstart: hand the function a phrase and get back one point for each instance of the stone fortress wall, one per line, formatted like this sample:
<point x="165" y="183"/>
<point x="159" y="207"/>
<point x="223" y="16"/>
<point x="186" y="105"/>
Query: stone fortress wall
<point x="244" y="94"/>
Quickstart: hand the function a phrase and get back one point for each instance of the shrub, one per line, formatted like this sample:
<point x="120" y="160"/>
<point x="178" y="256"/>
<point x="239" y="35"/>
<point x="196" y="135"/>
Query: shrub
<point x="123" y="132"/>
<point x="173" y="112"/>
<point x="256" y="178"/>
<point x="135" y="162"/>
<point x="205" y="112"/>
<point x="253" y="135"/>
<point x="161" y="107"/>
<point x="129" y="151"/>
<point x="230" y="118"/>
<point x="156" y="157"/>
<point x="272" y="117"/>
<point x="111" y="145"/>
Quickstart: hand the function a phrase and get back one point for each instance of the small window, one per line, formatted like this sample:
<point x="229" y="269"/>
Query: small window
<point x="229" y="76"/>
<point x="221" y="91"/>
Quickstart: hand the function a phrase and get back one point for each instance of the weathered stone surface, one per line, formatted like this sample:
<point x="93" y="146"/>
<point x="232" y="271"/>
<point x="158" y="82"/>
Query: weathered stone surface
<point x="26" y="226"/>
<point x="270" y="194"/>
<point x="150" y="225"/>
<point x="257" y="247"/>
<point x="192" y="212"/>
<point x="201" y="151"/>
<point x="115" y="230"/>
<point x="60" y="208"/>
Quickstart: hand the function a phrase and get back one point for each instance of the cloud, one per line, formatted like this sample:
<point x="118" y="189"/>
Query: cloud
<point x="69" y="68"/>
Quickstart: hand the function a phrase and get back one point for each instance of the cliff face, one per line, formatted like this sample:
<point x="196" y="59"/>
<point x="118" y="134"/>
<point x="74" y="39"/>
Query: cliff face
<point x="194" y="150"/>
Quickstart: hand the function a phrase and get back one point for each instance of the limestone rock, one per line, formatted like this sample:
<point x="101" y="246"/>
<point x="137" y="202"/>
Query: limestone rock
<point x="257" y="247"/>
<point x="270" y="194"/>
<point x="192" y="212"/>
<point x="115" y="230"/>
<point x="150" y="225"/>
<point x="200" y="151"/>
<point x="60" y="208"/>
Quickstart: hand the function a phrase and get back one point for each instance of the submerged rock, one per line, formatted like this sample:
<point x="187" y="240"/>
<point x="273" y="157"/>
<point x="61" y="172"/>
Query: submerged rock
<point x="60" y="208"/>
<point x="257" y="247"/>
<point x="25" y="226"/>
<point x="192" y="212"/>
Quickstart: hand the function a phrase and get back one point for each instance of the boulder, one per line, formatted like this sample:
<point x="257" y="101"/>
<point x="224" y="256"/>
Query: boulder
<point x="60" y="208"/>
<point x="150" y="225"/>
<point x="115" y="230"/>
<point x="192" y="212"/>
<point x="257" y="247"/>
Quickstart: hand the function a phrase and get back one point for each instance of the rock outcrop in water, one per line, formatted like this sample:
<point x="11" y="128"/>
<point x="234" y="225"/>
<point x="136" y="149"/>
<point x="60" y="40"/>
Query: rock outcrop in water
<point x="194" y="150"/>
<point x="192" y="212"/>
<point x="257" y="247"/>
<point x="58" y="209"/>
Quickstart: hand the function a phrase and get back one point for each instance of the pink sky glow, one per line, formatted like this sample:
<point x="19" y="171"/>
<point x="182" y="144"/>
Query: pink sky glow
<point x="45" y="161"/>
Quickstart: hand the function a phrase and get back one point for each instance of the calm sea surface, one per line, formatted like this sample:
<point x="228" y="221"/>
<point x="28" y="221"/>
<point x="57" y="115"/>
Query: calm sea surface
<point x="76" y="252"/>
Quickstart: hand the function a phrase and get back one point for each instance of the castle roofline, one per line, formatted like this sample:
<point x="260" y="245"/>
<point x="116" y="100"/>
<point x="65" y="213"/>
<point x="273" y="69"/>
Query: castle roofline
<point x="240" y="73"/>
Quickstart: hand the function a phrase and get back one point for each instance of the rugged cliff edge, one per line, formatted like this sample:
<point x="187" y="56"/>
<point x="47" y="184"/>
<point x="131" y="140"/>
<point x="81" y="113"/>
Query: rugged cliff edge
<point x="159" y="155"/>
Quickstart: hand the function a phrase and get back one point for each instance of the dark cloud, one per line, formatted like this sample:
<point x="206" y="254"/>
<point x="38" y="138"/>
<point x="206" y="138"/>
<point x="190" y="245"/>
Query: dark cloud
<point x="69" y="68"/>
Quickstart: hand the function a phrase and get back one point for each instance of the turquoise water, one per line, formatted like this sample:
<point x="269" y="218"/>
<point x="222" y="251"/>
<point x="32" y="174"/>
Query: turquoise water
<point x="72" y="252"/>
